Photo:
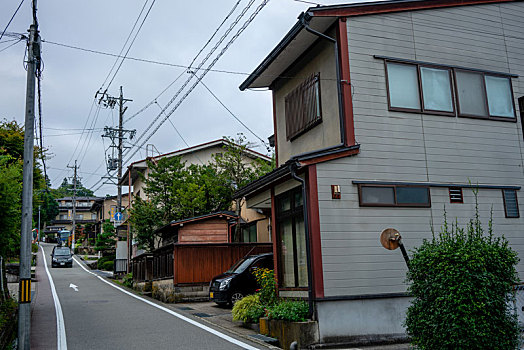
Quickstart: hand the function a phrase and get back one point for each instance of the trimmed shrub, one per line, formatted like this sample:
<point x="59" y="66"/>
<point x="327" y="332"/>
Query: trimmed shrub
<point x="106" y="265"/>
<point x="248" y="309"/>
<point x="289" y="310"/>
<point x="461" y="283"/>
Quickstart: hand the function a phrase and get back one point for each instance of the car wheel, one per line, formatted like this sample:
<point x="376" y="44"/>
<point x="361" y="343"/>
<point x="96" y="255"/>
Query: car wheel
<point x="236" y="296"/>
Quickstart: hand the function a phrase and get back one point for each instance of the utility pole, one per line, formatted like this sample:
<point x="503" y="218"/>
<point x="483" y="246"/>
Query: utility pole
<point x="24" y="300"/>
<point x="120" y="147"/>
<point x="117" y="134"/>
<point x="73" y="230"/>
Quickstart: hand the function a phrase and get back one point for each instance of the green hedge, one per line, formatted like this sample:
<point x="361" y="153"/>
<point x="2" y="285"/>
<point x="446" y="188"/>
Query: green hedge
<point x="289" y="310"/>
<point x="461" y="283"/>
<point x="106" y="265"/>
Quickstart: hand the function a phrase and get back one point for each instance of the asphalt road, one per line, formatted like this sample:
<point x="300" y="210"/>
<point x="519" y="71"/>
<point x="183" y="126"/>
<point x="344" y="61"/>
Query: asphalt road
<point x="100" y="315"/>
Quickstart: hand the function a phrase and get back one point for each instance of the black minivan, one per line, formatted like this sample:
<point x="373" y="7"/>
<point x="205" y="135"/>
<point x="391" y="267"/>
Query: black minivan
<point x="238" y="281"/>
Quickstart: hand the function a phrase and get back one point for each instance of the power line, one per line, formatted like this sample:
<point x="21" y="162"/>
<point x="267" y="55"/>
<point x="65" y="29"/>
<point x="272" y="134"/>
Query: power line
<point x="132" y="42"/>
<point x="12" y="17"/>
<point x="203" y="61"/>
<point x="172" y="64"/>
<point x="234" y="116"/>
<point x="125" y="43"/>
<point x="80" y="138"/>
<point x="72" y="133"/>
<point x="72" y="129"/>
<point x="215" y="60"/>
<point x="9" y="40"/>
<point x="189" y="66"/>
<point x="13" y="44"/>
<point x="87" y="140"/>
<point x="216" y="31"/>
<point x="81" y="172"/>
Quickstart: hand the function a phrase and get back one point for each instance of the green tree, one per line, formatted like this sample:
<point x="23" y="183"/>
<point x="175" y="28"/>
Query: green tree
<point x="106" y="239"/>
<point x="461" y="284"/>
<point x="166" y="177"/>
<point x="145" y="218"/>
<point x="12" y="139"/>
<point x="10" y="206"/>
<point x="235" y="171"/>
<point x="11" y="167"/>
<point x="48" y="206"/>
<point x="66" y="189"/>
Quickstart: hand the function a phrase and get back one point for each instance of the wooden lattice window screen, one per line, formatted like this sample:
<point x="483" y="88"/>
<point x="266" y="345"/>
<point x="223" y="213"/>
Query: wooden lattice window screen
<point x="303" y="107"/>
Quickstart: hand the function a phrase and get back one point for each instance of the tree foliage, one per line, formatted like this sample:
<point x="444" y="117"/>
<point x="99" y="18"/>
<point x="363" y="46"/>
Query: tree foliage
<point x="66" y="189"/>
<point x="177" y="190"/>
<point x="10" y="206"/>
<point x="145" y="218"/>
<point x="106" y="239"/>
<point x="461" y="283"/>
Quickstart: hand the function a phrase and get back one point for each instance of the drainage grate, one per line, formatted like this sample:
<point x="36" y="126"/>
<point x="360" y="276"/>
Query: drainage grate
<point x="265" y="338"/>
<point x="184" y="308"/>
<point x="201" y="314"/>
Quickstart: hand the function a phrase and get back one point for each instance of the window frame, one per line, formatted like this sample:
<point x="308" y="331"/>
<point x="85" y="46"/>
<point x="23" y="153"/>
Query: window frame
<point x="506" y="207"/>
<point x="485" y="92"/>
<point x="314" y="80"/>
<point x="452" y="70"/>
<point x="396" y="204"/>
<point x="422" y="108"/>
<point x="293" y="213"/>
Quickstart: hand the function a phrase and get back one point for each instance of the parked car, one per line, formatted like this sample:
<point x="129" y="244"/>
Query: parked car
<point x="238" y="281"/>
<point x="61" y="256"/>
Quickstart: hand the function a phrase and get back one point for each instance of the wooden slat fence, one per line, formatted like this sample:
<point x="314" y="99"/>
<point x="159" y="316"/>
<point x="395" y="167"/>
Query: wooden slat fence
<point x="142" y="267"/>
<point x="163" y="263"/>
<point x="199" y="263"/>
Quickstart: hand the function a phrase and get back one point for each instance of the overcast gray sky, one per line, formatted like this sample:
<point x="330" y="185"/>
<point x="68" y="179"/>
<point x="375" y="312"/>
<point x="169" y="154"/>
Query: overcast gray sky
<point x="173" y="32"/>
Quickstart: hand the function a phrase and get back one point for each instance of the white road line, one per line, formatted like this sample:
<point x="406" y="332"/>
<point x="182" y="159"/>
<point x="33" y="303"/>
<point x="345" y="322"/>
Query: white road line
<point x="61" y="341"/>
<point x="171" y="312"/>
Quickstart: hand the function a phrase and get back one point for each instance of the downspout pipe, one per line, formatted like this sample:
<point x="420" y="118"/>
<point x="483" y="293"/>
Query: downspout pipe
<point x="304" y="20"/>
<point x="292" y="170"/>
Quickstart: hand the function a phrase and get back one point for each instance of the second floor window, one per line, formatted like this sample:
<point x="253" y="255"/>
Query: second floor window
<point x="432" y="89"/>
<point x="303" y="107"/>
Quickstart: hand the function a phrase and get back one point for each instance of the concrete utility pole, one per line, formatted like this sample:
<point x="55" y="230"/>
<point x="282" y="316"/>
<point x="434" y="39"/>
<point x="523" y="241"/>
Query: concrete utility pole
<point x="121" y="111"/>
<point x="120" y="135"/>
<point x="73" y="229"/>
<point x="24" y="308"/>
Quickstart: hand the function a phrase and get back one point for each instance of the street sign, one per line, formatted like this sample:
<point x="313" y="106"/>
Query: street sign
<point x="118" y="216"/>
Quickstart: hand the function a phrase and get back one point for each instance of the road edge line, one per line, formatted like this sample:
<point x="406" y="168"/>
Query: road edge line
<point x="61" y="340"/>
<point x="174" y="313"/>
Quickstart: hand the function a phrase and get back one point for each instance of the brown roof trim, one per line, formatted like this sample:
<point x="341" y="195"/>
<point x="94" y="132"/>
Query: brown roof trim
<point x="370" y="8"/>
<point x="227" y="215"/>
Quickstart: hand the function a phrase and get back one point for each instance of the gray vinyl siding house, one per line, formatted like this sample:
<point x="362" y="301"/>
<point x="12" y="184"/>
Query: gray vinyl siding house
<point x="372" y="140"/>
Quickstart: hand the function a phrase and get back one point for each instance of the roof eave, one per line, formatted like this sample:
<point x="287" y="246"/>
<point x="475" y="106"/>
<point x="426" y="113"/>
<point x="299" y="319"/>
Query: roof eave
<point x="378" y="7"/>
<point x="293" y="32"/>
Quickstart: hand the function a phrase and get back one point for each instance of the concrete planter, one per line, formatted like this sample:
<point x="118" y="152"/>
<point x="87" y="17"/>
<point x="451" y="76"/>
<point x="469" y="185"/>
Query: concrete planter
<point x="304" y="333"/>
<point x="264" y="325"/>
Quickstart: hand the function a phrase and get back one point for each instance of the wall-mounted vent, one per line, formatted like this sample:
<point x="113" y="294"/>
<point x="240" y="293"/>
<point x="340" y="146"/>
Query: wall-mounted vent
<point x="511" y="204"/>
<point x="455" y="195"/>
